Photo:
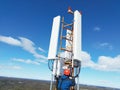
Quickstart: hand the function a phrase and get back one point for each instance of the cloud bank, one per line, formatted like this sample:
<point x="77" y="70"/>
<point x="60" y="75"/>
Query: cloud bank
<point x="28" y="61"/>
<point x="12" y="67"/>
<point x="104" y="63"/>
<point x="103" y="45"/>
<point x="24" y="43"/>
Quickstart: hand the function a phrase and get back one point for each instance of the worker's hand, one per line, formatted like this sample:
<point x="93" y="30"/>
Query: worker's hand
<point x="72" y="77"/>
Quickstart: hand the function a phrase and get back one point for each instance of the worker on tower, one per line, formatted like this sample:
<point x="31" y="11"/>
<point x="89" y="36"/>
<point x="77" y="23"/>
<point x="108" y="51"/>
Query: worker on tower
<point x="64" y="82"/>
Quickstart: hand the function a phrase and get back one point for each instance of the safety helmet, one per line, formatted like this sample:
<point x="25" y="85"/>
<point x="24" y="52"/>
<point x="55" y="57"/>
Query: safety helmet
<point x="67" y="72"/>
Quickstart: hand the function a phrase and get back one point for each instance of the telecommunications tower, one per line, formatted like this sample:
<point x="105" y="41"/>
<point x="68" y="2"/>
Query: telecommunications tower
<point x="65" y="48"/>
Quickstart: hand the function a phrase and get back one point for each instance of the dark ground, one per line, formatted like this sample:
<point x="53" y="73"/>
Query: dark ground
<point x="28" y="84"/>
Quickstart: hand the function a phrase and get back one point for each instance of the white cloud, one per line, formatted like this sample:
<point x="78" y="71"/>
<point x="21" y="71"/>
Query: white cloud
<point x="10" y="40"/>
<point x="28" y="61"/>
<point x="104" y="82"/>
<point x="42" y="50"/>
<point x="24" y="43"/>
<point x="103" y="45"/>
<point x="107" y="45"/>
<point x="42" y="61"/>
<point x="86" y="60"/>
<point x="27" y="45"/>
<point x="10" y="67"/>
<point x="104" y="63"/>
<point x="109" y="63"/>
<point x="16" y="67"/>
<point x="97" y="29"/>
<point x="40" y="56"/>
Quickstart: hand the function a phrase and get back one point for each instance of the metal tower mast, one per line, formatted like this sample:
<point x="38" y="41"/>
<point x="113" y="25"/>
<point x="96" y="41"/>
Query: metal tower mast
<point x="68" y="55"/>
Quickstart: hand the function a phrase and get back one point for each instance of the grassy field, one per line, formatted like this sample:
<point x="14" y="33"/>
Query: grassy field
<point x="28" y="84"/>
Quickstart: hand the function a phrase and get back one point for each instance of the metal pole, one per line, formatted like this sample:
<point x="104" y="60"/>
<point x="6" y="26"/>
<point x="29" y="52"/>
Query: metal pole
<point x="78" y="83"/>
<point x="51" y="84"/>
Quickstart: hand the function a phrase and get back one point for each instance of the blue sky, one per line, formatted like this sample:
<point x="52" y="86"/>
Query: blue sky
<point x="25" y="28"/>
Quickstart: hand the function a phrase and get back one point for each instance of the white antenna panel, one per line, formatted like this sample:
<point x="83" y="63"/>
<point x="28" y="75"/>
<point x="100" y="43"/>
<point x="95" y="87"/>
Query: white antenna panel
<point x="54" y="38"/>
<point x="77" y="37"/>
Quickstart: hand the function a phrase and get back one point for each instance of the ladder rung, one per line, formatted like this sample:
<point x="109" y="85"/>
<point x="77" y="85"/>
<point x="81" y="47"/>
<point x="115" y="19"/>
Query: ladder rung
<point x="64" y="37"/>
<point x="68" y="25"/>
<point x="66" y="50"/>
